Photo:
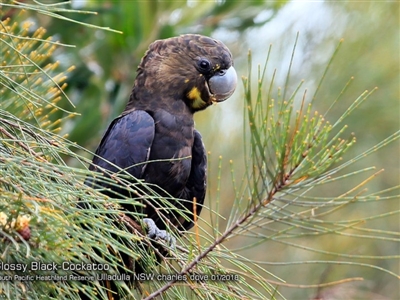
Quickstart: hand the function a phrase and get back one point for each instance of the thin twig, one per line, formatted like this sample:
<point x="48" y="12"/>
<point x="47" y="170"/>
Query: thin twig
<point x="217" y="242"/>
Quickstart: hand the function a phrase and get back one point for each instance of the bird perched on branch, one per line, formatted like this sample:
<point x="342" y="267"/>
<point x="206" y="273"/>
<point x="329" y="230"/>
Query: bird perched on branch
<point x="154" y="138"/>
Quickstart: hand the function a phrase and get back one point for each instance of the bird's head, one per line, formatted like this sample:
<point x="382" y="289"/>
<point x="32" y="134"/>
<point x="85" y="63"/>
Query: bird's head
<point x="195" y="69"/>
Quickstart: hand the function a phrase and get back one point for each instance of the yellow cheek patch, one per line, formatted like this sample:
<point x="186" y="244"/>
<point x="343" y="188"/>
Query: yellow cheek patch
<point x="195" y="96"/>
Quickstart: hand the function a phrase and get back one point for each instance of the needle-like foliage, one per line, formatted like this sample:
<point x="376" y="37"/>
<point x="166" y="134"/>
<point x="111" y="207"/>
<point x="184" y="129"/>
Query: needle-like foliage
<point x="291" y="151"/>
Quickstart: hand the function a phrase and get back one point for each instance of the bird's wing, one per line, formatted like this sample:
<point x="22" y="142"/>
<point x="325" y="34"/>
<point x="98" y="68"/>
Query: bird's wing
<point x="198" y="173"/>
<point x="126" y="144"/>
<point x="196" y="184"/>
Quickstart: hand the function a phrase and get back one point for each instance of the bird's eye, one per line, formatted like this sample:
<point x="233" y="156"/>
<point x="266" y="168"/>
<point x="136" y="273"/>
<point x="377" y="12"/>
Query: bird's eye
<point x="204" y="64"/>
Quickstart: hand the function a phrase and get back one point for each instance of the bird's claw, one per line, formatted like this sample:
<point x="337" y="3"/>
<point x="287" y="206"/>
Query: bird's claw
<point x="155" y="233"/>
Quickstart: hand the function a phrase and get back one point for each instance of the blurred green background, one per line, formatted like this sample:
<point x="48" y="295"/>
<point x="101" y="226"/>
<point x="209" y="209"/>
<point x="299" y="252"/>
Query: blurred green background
<point x="106" y="66"/>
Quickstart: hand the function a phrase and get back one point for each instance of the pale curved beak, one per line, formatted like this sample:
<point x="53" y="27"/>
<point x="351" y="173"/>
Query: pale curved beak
<point x="223" y="84"/>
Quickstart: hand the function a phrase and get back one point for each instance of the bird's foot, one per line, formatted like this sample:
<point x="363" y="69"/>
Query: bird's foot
<point x="155" y="233"/>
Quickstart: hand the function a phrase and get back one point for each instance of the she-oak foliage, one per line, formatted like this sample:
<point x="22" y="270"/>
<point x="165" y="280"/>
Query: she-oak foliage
<point x="290" y="149"/>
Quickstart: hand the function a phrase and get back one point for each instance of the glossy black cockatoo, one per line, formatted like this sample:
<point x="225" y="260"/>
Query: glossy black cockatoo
<point x="154" y="138"/>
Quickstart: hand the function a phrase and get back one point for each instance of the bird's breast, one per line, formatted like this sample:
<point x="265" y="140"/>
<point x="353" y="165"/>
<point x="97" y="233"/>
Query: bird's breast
<point x="170" y="155"/>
